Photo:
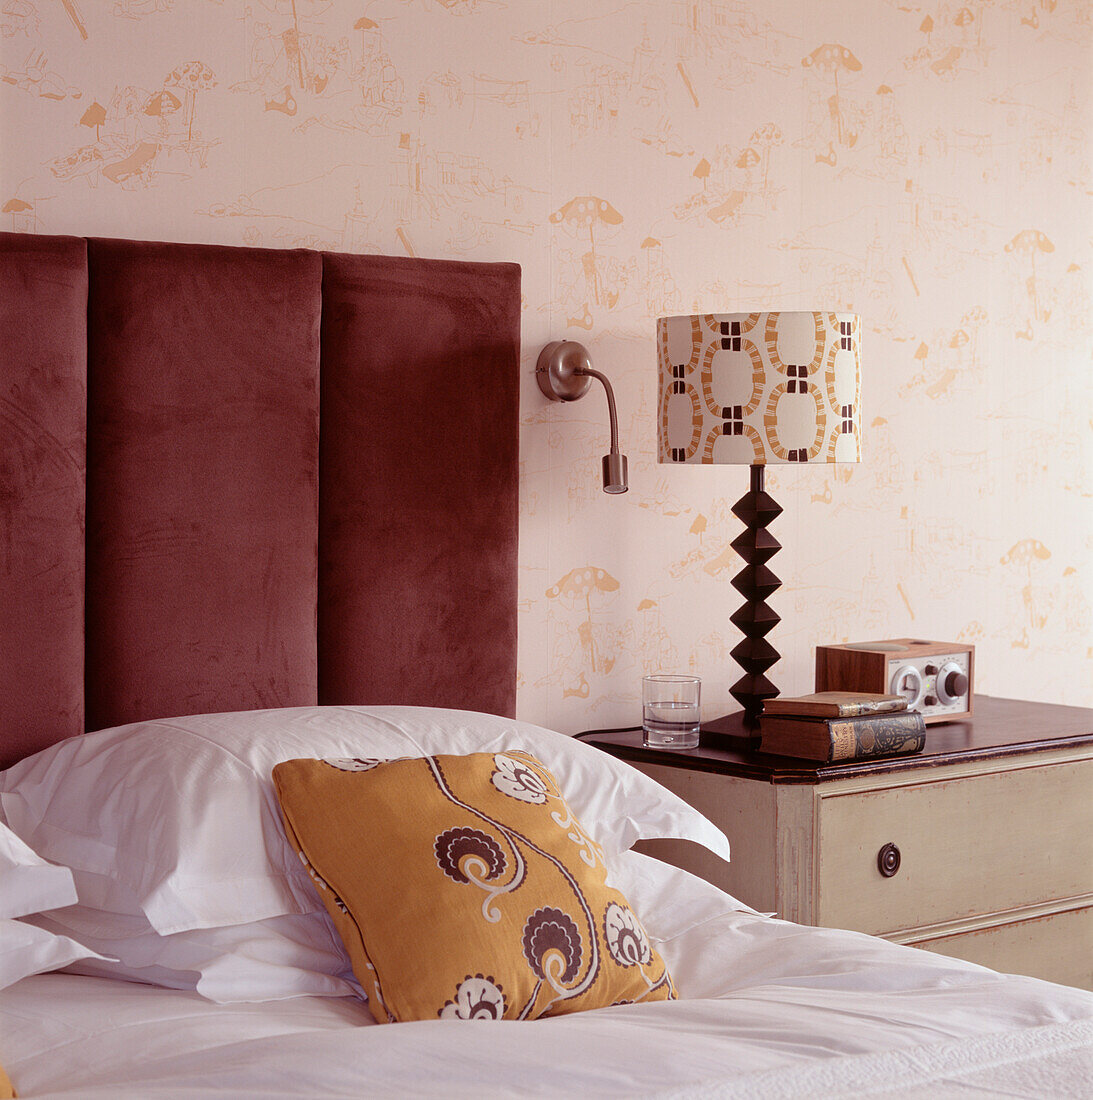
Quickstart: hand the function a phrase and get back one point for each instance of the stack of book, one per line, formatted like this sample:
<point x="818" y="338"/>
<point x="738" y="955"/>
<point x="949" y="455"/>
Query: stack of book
<point x="833" y="726"/>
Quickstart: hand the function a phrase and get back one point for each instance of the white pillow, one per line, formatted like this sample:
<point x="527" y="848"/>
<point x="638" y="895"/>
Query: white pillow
<point x="266" y="960"/>
<point x="28" y="884"/>
<point x="26" y="950"/>
<point x="179" y="816"/>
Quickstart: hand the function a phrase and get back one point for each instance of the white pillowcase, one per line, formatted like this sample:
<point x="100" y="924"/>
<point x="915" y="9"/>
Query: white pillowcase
<point x="266" y="960"/>
<point x="178" y="817"/>
<point x="26" y="950"/>
<point x="28" y="884"/>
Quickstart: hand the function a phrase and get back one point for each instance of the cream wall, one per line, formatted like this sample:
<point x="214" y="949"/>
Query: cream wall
<point x="936" y="180"/>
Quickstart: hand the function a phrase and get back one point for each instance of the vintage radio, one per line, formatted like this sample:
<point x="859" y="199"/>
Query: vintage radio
<point x="934" y="677"/>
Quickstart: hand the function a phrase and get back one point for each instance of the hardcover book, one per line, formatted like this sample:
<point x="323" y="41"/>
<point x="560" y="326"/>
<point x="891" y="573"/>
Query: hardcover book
<point x="831" y="740"/>
<point x="835" y="704"/>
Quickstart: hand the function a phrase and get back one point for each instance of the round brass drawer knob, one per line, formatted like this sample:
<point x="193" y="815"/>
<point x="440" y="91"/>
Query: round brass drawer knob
<point x="888" y="860"/>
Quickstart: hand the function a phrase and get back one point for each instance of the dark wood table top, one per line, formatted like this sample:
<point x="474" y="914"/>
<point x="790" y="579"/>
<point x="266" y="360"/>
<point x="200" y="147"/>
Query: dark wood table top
<point x="997" y="727"/>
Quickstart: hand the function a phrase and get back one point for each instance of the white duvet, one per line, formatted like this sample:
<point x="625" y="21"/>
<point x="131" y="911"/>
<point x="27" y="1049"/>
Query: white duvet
<point x="768" y="1009"/>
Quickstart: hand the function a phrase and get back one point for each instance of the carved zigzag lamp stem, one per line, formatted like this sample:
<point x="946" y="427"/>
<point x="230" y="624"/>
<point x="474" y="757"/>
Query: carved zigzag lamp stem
<point x="755" y="582"/>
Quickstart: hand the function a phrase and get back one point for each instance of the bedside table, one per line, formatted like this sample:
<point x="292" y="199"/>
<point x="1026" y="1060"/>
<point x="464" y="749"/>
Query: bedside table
<point x="980" y="847"/>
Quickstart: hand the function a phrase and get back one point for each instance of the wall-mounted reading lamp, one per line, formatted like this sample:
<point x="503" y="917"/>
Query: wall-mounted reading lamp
<point x="564" y="373"/>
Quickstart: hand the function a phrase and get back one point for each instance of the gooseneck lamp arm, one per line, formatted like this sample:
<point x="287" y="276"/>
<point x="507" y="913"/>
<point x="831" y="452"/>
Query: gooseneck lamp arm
<point x="564" y="373"/>
<point x="614" y="463"/>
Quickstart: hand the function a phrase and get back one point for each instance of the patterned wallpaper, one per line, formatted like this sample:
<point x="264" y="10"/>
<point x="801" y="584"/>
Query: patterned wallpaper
<point x="926" y="165"/>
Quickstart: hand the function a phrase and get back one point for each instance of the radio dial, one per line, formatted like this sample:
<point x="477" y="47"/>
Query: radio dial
<point x="952" y="683"/>
<point x="907" y="681"/>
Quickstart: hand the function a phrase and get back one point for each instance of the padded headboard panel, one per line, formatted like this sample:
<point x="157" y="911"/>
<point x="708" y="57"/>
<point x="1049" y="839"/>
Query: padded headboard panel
<point x="202" y="479"/>
<point x="43" y="421"/>
<point x="301" y="482"/>
<point x="418" y="508"/>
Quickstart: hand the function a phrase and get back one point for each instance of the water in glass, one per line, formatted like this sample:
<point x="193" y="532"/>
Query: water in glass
<point x="670" y="725"/>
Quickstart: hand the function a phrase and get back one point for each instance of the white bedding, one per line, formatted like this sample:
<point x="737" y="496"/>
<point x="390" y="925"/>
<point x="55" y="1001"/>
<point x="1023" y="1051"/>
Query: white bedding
<point x="769" y="1009"/>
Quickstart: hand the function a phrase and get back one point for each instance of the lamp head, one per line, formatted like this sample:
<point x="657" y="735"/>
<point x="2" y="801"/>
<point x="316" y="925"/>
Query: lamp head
<point x="614" y="473"/>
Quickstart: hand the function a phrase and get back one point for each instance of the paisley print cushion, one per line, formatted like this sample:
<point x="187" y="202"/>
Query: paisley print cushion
<point x="464" y="888"/>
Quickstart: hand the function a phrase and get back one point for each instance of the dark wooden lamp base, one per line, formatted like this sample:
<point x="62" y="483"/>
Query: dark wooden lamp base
<point x="755" y="619"/>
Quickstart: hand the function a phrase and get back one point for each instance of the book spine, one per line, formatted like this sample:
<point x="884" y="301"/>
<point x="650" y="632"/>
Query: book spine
<point x="884" y="735"/>
<point x="852" y="710"/>
<point x="807" y="708"/>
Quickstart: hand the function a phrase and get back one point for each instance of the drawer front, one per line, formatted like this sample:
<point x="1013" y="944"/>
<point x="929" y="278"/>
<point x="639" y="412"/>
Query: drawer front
<point x="1057" y="947"/>
<point x="970" y="845"/>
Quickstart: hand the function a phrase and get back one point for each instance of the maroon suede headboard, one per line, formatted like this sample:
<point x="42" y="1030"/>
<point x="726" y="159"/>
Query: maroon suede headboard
<point x="298" y="472"/>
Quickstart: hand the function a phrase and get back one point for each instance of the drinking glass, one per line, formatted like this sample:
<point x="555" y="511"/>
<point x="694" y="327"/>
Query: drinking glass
<point x="670" y="711"/>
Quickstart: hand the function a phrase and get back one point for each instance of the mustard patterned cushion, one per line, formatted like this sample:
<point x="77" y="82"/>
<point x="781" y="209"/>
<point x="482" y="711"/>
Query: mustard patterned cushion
<point x="463" y="887"/>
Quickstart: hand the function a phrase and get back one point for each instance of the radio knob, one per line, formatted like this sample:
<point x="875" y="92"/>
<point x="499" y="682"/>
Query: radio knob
<point x="930" y="701"/>
<point x="952" y="683"/>
<point x="931" y="670"/>
<point x="956" y="683"/>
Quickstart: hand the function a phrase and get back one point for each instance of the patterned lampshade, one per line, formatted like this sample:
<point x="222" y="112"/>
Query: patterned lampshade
<point x="758" y="388"/>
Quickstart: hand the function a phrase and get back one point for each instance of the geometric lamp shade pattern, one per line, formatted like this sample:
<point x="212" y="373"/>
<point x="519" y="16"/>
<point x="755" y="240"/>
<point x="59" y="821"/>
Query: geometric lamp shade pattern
<point x="759" y="388"/>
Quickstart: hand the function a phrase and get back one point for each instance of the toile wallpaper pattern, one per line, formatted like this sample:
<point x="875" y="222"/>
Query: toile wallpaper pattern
<point x="925" y="165"/>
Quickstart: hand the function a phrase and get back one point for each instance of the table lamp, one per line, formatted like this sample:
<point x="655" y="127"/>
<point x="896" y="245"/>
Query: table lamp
<point x="751" y="389"/>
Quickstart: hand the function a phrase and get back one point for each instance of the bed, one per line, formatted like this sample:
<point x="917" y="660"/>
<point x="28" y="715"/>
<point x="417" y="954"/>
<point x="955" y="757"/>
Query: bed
<point x="260" y="514"/>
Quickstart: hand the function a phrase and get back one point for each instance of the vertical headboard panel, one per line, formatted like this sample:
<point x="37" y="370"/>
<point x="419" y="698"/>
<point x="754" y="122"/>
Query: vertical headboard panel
<point x="418" y="506"/>
<point x="202" y="479"/>
<point x="43" y="361"/>
<point x="238" y="554"/>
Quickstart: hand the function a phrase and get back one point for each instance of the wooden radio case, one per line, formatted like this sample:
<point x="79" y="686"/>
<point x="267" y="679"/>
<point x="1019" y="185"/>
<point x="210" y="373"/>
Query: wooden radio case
<point x="934" y="677"/>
